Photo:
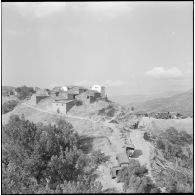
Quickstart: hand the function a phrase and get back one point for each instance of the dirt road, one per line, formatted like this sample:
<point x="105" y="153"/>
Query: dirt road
<point x="142" y="149"/>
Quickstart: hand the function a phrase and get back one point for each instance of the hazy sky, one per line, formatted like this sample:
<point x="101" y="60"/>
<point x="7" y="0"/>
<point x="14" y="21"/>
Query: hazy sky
<point x="129" y="47"/>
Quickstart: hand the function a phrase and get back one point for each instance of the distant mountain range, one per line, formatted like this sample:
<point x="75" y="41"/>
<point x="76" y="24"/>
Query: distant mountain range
<point x="182" y="103"/>
<point x="139" y="98"/>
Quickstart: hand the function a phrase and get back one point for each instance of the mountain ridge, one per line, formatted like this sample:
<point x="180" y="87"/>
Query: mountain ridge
<point x="182" y="103"/>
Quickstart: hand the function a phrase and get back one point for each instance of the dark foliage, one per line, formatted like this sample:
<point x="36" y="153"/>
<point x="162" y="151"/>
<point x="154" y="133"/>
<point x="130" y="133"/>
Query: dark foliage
<point x="78" y="103"/>
<point x="46" y="159"/>
<point x="108" y="111"/>
<point x="174" y="146"/>
<point x="136" y="180"/>
<point x="9" y="106"/>
<point x="24" y="92"/>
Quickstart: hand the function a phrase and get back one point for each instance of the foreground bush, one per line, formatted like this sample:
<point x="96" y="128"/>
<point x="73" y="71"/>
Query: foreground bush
<point x="174" y="147"/>
<point x="9" y="106"/>
<point x="46" y="159"/>
<point x="136" y="180"/>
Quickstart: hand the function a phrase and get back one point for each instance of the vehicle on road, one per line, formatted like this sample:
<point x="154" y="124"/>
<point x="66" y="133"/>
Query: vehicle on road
<point x="114" y="171"/>
<point x="130" y="148"/>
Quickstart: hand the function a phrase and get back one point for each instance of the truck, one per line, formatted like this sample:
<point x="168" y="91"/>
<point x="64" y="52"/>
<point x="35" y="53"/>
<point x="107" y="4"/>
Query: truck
<point x="130" y="148"/>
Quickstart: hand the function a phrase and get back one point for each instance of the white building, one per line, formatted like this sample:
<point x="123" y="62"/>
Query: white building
<point x="64" y="88"/>
<point x="100" y="89"/>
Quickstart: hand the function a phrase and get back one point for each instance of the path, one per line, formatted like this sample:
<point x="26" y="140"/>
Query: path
<point x="142" y="149"/>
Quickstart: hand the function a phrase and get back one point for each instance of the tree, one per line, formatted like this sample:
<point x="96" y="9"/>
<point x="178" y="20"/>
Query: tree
<point x="24" y="92"/>
<point x="9" y="106"/>
<point x="136" y="180"/>
<point x="41" y="158"/>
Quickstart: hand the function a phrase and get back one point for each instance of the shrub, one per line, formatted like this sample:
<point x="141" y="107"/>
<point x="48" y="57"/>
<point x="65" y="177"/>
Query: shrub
<point x="9" y="106"/>
<point x="174" y="147"/>
<point x="101" y="111"/>
<point x="136" y="180"/>
<point x="147" y="136"/>
<point x="46" y="159"/>
<point x="111" y="112"/>
<point x="79" y="103"/>
<point x="24" y="92"/>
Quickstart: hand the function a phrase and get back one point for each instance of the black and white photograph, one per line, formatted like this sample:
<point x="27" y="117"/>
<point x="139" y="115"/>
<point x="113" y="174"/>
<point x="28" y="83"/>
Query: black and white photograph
<point x="97" y="97"/>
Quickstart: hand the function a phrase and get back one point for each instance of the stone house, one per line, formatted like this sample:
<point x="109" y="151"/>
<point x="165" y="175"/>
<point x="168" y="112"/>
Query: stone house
<point x="122" y="159"/>
<point x="77" y="89"/>
<point x="89" y="96"/>
<point x="62" y="106"/>
<point x="100" y="89"/>
<point x="36" y="98"/>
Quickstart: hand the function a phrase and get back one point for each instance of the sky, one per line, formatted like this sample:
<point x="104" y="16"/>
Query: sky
<point x="128" y="47"/>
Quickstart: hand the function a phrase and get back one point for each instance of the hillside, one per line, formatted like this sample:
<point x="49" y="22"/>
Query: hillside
<point x="6" y="89"/>
<point x="138" y="98"/>
<point x="182" y="103"/>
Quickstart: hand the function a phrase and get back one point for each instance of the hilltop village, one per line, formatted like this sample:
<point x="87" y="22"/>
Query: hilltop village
<point x="65" y="97"/>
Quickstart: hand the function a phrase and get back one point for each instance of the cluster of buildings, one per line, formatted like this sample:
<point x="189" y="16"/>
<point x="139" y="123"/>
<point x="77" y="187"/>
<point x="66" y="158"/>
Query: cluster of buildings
<point x="65" y="97"/>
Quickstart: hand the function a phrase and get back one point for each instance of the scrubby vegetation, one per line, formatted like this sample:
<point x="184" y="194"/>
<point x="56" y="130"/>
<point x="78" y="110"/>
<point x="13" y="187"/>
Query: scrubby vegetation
<point x="136" y="180"/>
<point x="78" y="103"/>
<point x="9" y="106"/>
<point x="24" y="92"/>
<point x="174" y="147"/>
<point x="46" y="159"/>
<point x="108" y="111"/>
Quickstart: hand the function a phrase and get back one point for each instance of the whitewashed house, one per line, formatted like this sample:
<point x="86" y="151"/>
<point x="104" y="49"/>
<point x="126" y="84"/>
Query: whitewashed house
<point x="100" y="89"/>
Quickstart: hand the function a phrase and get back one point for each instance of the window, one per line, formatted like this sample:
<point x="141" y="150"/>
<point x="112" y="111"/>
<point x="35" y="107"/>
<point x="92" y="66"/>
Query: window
<point x="87" y="97"/>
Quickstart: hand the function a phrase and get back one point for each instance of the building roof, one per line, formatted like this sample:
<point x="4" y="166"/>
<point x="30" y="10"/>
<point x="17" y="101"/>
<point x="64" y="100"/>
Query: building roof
<point x="92" y="92"/>
<point x="130" y="145"/>
<point x="42" y="92"/>
<point x="62" y="101"/>
<point x="73" y="91"/>
<point x="122" y="158"/>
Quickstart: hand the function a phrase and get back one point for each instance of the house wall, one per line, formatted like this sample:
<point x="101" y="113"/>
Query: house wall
<point x="39" y="98"/>
<point x="69" y="105"/>
<point x="124" y="165"/>
<point x="64" y="88"/>
<point x="103" y="91"/>
<point x="100" y="89"/>
<point x="71" y="96"/>
<point x="62" y="108"/>
<point x="84" y="99"/>
<point x="81" y="91"/>
<point x="97" y="88"/>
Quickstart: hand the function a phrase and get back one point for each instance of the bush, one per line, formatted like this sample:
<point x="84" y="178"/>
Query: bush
<point x="147" y="136"/>
<point x="102" y="111"/>
<point x="174" y="148"/>
<point x="108" y="111"/>
<point x="46" y="159"/>
<point x="9" y="106"/>
<point x="79" y="103"/>
<point x="136" y="180"/>
<point x="24" y="92"/>
<point x="111" y="112"/>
